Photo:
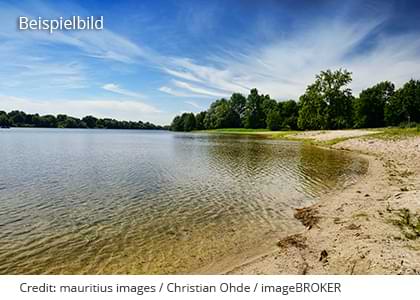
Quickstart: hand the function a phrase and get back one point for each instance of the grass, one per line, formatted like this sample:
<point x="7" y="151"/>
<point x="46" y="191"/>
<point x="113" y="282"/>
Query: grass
<point x="408" y="223"/>
<point x="361" y="215"/>
<point x="392" y="133"/>
<point x="238" y="131"/>
<point x="389" y="133"/>
<point x="248" y="131"/>
<point x="333" y="141"/>
<point x="296" y="240"/>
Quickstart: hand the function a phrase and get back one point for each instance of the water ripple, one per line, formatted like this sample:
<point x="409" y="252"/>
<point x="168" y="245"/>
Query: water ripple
<point x="135" y="202"/>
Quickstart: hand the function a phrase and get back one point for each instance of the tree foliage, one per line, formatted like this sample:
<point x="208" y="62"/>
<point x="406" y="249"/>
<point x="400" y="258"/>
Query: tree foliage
<point x="222" y="114"/>
<point x="254" y="110"/>
<point x="289" y="111"/>
<point x="185" y="122"/>
<point x="370" y="106"/>
<point x="313" y="112"/>
<point x="274" y="120"/>
<point x="328" y="102"/>
<point x="21" y="119"/>
<point x="404" y="105"/>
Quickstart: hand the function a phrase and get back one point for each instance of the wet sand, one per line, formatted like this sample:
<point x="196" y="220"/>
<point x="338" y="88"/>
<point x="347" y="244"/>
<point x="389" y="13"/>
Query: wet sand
<point x="371" y="227"/>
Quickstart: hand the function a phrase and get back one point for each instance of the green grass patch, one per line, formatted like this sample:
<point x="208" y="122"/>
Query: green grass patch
<point x="394" y="133"/>
<point x="360" y="215"/>
<point x="408" y="222"/>
<point x="247" y="131"/>
<point x="237" y="130"/>
<point x="390" y="133"/>
<point x="334" y="141"/>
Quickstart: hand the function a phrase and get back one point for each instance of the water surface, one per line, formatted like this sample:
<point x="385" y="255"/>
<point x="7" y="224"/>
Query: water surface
<point x="144" y="202"/>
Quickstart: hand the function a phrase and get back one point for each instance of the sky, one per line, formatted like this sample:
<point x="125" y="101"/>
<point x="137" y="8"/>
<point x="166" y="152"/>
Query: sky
<point x="156" y="59"/>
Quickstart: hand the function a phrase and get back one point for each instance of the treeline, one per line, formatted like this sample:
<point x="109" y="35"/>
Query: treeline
<point x="21" y="119"/>
<point x="328" y="103"/>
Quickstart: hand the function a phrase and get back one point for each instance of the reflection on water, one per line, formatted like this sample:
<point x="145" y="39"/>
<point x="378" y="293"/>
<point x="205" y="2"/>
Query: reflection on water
<point x="133" y="202"/>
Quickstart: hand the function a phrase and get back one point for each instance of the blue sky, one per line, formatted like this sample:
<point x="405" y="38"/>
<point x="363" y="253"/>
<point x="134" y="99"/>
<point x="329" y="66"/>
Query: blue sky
<point x="155" y="59"/>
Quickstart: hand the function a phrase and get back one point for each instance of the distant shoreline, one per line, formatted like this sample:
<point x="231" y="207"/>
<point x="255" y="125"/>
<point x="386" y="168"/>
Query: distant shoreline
<point x="97" y="128"/>
<point x="18" y="118"/>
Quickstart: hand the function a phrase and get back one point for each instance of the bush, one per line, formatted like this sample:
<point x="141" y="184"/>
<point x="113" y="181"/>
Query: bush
<point x="408" y="125"/>
<point x="273" y="120"/>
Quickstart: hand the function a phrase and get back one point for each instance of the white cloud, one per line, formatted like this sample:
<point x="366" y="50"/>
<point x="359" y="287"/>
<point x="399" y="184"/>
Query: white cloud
<point x="182" y="75"/>
<point x="285" y="67"/>
<point x="197" y="89"/>
<point x="180" y="93"/>
<point x="220" y="78"/>
<point x="103" y="44"/>
<point x="115" y="88"/>
<point x="37" y="59"/>
<point x="194" y="104"/>
<point x="171" y="91"/>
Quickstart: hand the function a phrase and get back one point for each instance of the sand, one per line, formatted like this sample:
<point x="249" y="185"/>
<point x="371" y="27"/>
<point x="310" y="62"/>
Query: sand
<point x="328" y="135"/>
<point x="371" y="227"/>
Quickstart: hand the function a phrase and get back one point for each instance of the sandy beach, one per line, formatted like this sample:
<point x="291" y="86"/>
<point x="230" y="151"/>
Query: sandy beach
<point x="370" y="227"/>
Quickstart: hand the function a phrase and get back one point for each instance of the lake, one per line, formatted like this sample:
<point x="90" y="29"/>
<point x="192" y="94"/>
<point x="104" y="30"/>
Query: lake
<point x="153" y="202"/>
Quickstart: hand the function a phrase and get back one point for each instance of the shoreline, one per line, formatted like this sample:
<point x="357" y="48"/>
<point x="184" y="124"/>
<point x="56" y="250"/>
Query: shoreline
<point x="369" y="227"/>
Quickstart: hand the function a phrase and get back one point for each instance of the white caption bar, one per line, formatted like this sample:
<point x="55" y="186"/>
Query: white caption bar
<point x="208" y="287"/>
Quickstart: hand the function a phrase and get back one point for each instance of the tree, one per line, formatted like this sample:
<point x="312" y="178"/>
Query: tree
<point x="176" y="124"/>
<point x="404" y="105"/>
<point x="238" y="105"/>
<point x="188" y="119"/>
<point x="254" y="114"/>
<point x="185" y="122"/>
<point x="274" y="120"/>
<point x="49" y="121"/>
<point x="18" y="118"/>
<point x="4" y="120"/>
<point x="313" y="110"/>
<point x="199" y="120"/>
<point x="269" y="105"/>
<point x="327" y="103"/>
<point x="221" y="115"/>
<point x="289" y="112"/>
<point x="90" y="121"/>
<point x="370" y="106"/>
<point x="70" y="122"/>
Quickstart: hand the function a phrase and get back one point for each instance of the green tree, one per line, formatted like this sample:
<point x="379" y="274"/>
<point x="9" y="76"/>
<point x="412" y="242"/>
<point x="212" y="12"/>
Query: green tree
<point x="18" y="118"/>
<point x="49" y="121"/>
<point x="199" y="120"/>
<point x="313" y="112"/>
<point x="188" y="120"/>
<point x="370" y="106"/>
<point x="35" y="120"/>
<point x="274" y="120"/>
<point x="254" y="114"/>
<point x="90" y="121"/>
<point x="70" y="123"/>
<point x="289" y="112"/>
<point x="327" y="103"/>
<point x="404" y="105"/>
<point x="4" y="120"/>
<point x="177" y="124"/>
<point x="269" y="105"/>
<point x="221" y="115"/>
<point x="185" y="122"/>
<point x="238" y="106"/>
